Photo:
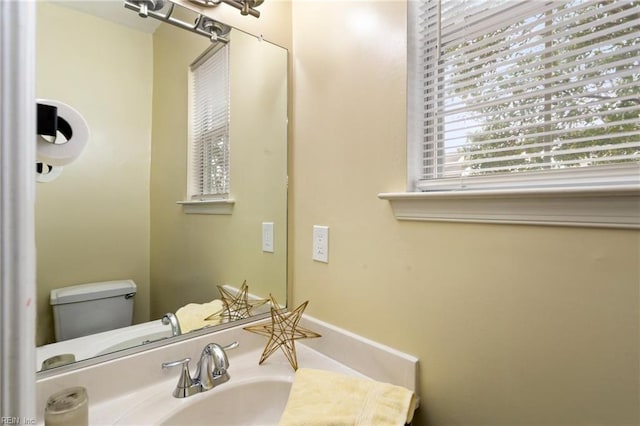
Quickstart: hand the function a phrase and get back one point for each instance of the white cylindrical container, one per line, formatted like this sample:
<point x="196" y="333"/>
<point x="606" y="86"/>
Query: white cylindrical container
<point x="69" y="407"/>
<point x="58" y="360"/>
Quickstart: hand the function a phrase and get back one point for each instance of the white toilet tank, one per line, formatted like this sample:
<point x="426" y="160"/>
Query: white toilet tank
<point x="84" y="309"/>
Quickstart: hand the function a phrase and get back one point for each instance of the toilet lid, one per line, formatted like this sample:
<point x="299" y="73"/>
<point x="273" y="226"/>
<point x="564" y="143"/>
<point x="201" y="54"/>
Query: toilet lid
<point x="92" y="291"/>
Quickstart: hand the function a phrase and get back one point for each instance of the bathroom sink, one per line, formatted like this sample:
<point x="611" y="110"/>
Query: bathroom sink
<point x="255" y="394"/>
<point x="252" y="401"/>
<point x="135" y="390"/>
<point x="255" y="402"/>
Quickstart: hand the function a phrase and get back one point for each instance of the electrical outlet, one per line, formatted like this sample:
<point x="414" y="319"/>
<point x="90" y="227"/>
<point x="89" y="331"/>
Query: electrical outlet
<point x="267" y="237"/>
<point x="320" y="243"/>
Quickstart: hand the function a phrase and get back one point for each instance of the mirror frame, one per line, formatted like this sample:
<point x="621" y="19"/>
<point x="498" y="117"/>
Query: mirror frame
<point x="43" y="374"/>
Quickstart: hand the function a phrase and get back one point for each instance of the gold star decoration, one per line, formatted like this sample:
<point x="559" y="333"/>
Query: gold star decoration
<point x="283" y="332"/>
<point x="237" y="306"/>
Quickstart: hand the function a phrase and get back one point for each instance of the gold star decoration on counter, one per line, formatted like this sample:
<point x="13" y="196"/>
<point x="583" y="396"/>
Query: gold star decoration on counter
<point x="237" y="306"/>
<point x="283" y="332"/>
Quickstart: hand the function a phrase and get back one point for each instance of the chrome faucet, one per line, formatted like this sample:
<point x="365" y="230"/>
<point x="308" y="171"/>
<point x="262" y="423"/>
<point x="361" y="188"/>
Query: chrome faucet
<point x="170" y="318"/>
<point x="211" y="370"/>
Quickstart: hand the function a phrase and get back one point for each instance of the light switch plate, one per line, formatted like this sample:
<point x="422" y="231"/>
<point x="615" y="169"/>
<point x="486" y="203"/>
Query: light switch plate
<point x="267" y="237"/>
<point x="320" y="243"/>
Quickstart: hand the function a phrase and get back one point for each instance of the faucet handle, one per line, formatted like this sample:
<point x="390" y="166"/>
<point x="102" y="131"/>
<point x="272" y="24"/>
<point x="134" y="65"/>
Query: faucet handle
<point x="186" y="386"/>
<point x="231" y="345"/>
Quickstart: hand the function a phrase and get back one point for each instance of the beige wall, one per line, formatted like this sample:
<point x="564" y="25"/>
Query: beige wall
<point x="202" y="251"/>
<point x="513" y="325"/>
<point x="92" y="223"/>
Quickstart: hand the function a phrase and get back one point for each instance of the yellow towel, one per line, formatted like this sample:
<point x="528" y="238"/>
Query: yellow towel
<point x="325" y="398"/>
<point x="192" y="316"/>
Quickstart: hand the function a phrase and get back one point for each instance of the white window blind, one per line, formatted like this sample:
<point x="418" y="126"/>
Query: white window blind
<point x="505" y="89"/>
<point x="209" y="125"/>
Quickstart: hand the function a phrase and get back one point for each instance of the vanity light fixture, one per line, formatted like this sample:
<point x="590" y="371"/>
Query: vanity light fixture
<point x="146" y="5"/>
<point x="216" y="29"/>
<point x="167" y="12"/>
<point x="246" y="7"/>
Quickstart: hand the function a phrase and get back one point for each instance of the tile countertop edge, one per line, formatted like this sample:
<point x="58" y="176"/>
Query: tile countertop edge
<point x="373" y="359"/>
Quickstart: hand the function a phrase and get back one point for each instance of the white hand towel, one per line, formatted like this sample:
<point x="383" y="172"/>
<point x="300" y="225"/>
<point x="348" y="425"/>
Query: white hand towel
<point x="192" y="316"/>
<point x="326" y="398"/>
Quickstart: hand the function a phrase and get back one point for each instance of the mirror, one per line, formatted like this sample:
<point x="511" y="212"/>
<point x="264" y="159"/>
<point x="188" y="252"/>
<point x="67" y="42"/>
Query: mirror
<point x="113" y="213"/>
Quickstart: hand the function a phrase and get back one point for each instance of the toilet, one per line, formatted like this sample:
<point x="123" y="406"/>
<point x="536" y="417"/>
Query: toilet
<point x="84" y="309"/>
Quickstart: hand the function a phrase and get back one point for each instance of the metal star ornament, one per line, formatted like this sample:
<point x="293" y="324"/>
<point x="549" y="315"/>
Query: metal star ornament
<point x="283" y="332"/>
<point x="237" y="306"/>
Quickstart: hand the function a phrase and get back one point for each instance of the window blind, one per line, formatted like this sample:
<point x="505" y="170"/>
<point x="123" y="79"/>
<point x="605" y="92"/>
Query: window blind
<point x="509" y="87"/>
<point x="209" y="125"/>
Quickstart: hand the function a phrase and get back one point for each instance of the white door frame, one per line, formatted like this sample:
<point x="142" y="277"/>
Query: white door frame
<point x="17" y="204"/>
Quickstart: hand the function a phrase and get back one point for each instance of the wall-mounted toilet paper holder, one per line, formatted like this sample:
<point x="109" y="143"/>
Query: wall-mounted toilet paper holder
<point x="56" y="119"/>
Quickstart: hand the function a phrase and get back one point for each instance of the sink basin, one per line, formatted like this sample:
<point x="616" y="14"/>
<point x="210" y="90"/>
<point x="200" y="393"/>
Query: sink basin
<point x="254" y="402"/>
<point x="254" y="395"/>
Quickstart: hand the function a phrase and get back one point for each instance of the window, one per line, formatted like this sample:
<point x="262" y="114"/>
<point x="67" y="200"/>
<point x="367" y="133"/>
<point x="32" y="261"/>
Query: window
<point x="512" y="94"/>
<point x="523" y="112"/>
<point x="209" y="125"/>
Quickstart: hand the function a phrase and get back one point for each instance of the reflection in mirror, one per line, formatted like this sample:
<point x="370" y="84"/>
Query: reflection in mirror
<point x="113" y="214"/>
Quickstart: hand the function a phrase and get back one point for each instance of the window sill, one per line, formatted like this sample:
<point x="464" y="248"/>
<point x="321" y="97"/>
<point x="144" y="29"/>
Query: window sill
<point x="207" y="206"/>
<point x="610" y="207"/>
